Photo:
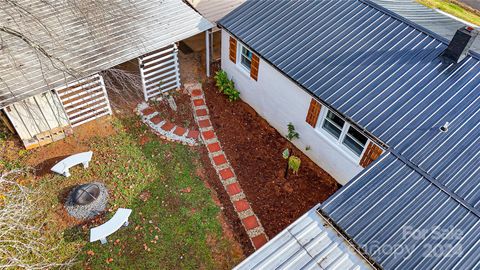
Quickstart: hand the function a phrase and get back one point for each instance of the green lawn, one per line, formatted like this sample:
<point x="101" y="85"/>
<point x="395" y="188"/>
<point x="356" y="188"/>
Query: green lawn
<point x="173" y="229"/>
<point x="453" y="9"/>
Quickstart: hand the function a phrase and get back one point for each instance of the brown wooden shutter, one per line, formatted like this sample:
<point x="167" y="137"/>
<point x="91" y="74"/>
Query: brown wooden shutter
<point x="370" y="155"/>
<point x="233" y="50"/>
<point x="313" y="112"/>
<point x="254" y="67"/>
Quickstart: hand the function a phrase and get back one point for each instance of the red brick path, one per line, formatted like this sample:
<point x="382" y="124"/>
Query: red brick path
<point x="225" y="172"/>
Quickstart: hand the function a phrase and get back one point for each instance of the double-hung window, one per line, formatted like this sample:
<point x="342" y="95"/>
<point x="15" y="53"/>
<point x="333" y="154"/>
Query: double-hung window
<point x="333" y="124"/>
<point x="246" y="58"/>
<point x="344" y="133"/>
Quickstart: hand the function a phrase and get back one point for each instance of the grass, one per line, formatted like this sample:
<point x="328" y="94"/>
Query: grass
<point x="451" y="7"/>
<point x="176" y="228"/>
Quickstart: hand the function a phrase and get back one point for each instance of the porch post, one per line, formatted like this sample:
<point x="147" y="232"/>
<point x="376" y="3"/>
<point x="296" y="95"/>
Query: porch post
<point x="207" y="51"/>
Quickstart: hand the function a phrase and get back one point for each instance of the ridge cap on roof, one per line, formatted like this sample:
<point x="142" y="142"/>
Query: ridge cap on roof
<point x="415" y="25"/>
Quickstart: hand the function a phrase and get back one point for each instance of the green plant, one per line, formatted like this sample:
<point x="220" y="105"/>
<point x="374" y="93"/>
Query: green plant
<point x="292" y="133"/>
<point x="294" y="163"/>
<point x="226" y="86"/>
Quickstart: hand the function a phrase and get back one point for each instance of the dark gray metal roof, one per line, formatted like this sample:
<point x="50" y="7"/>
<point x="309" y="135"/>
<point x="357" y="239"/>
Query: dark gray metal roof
<point x="384" y="73"/>
<point x="382" y="206"/>
<point x="431" y="19"/>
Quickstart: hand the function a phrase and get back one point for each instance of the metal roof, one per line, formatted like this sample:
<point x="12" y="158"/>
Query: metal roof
<point x="214" y="10"/>
<point x="383" y="205"/>
<point x="380" y="72"/>
<point x="84" y="37"/>
<point x="434" y="20"/>
<point x="308" y="243"/>
<point x="383" y="73"/>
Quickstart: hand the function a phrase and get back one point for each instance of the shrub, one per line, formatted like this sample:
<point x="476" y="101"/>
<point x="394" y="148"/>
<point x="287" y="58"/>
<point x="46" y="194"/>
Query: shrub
<point x="226" y="86"/>
<point x="292" y="133"/>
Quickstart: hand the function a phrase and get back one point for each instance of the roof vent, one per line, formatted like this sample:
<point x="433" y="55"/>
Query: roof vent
<point x="460" y="44"/>
<point x="444" y="128"/>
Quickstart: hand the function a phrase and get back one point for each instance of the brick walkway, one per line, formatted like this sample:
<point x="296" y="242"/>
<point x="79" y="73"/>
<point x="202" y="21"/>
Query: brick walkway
<point x="166" y="130"/>
<point x="225" y="172"/>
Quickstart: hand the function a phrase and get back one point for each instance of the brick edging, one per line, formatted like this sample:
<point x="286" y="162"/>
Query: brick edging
<point x="166" y="130"/>
<point x="225" y="171"/>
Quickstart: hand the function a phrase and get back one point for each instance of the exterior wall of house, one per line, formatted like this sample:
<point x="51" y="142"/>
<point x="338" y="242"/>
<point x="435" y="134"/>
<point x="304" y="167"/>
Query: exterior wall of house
<point x="280" y="101"/>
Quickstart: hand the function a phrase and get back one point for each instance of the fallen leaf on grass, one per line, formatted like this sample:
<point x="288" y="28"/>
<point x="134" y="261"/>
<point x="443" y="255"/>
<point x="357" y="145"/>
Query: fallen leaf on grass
<point x="90" y="253"/>
<point x="109" y="260"/>
<point x="186" y="190"/>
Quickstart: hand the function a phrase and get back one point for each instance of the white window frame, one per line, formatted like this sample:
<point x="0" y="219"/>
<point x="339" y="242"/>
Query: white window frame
<point x="339" y="142"/>
<point x="240" y="55"/>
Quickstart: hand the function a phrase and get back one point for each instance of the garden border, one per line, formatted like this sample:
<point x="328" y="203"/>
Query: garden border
<point x="225" y="171"/>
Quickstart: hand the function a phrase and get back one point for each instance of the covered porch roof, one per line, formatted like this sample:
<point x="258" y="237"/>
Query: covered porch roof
<point x="46" y="44"/>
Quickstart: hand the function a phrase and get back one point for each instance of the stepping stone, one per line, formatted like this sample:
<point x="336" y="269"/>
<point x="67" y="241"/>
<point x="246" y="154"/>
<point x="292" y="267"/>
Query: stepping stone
<point x="198" y="102"/>
<point x="168" y="126"/>
<point x="207" y="135"/>
<point x="179" y="131"/>
<point x="219" y="160"/>
<point x="201" y="112"/>
<point x="259" y="240"/>
<point x="193" y="134"/>
<point x="148" y="111"/>
<point x="214" y="147"/>
<point x="196" y="92"/>
<point x="156" y="119"/>
<point x="204" y="123"/>
<point x="241" y="205"/>
<point x="233" y="189"/>
<point x="226" y="173"/>
<point x="250" y="222"/>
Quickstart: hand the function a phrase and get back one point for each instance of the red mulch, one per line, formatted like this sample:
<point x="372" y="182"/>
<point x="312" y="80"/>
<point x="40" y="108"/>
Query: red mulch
<point x="254" y="149"/>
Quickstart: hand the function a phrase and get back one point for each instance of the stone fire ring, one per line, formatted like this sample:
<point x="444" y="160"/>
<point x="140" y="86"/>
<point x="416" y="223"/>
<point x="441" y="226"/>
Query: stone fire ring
<point x="91" y="209"/>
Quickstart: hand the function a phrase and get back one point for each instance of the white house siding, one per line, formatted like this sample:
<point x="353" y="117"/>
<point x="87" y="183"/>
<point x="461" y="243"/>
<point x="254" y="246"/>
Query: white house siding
<point x="280" y="101"/>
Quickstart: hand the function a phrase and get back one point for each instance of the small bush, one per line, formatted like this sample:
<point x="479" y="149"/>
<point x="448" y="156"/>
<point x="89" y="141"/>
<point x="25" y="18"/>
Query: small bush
<point x="226" y="86"/>
<point x="292" y="133"/>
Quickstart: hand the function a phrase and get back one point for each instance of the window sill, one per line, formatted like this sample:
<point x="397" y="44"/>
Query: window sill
<point x="243" y="69"/>
<point x="337" y="145"/>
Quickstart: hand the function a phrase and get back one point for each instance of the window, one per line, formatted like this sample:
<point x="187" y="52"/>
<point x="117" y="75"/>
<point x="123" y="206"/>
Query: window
<point x="333" y="124"/>
<point x="344" y="133"/>
<point x="355" y="141"/>
<point x="246" y="58"/>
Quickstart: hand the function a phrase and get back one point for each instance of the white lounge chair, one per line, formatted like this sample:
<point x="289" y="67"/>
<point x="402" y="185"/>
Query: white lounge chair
<point x="116" y="222"/>
<point x="63" y="166"/>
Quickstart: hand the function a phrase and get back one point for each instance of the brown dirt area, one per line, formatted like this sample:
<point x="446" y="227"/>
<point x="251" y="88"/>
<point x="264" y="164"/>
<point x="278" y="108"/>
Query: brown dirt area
<point x="43" y="158"/>
<point x="254" y="149"/>
<point x="183" y="116"/>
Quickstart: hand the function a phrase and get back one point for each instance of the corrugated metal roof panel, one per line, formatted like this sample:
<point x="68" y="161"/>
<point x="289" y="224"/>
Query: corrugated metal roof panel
<point x="87" y="38"/>
<point x="214" y="10"/>
<point x="403" y="221"/>
<point x="383" y="73"/>
<point x="426" y="17"/>
<point x="308" y="243"/>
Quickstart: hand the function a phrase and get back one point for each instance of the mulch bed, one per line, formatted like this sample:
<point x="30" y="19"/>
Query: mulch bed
<point x="254" y="149"/>
<point x="184" y="114"/>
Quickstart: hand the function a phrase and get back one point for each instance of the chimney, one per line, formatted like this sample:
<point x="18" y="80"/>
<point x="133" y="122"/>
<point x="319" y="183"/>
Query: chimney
<point x="460" y="44"/>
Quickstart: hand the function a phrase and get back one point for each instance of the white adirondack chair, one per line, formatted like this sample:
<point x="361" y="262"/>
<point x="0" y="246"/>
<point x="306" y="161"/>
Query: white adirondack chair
<point x="63" y="166"/>
<point x="116" y="222"/>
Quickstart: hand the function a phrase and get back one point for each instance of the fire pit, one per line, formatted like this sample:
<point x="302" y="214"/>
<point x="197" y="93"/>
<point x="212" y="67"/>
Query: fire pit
<point x="87" y="201"/>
